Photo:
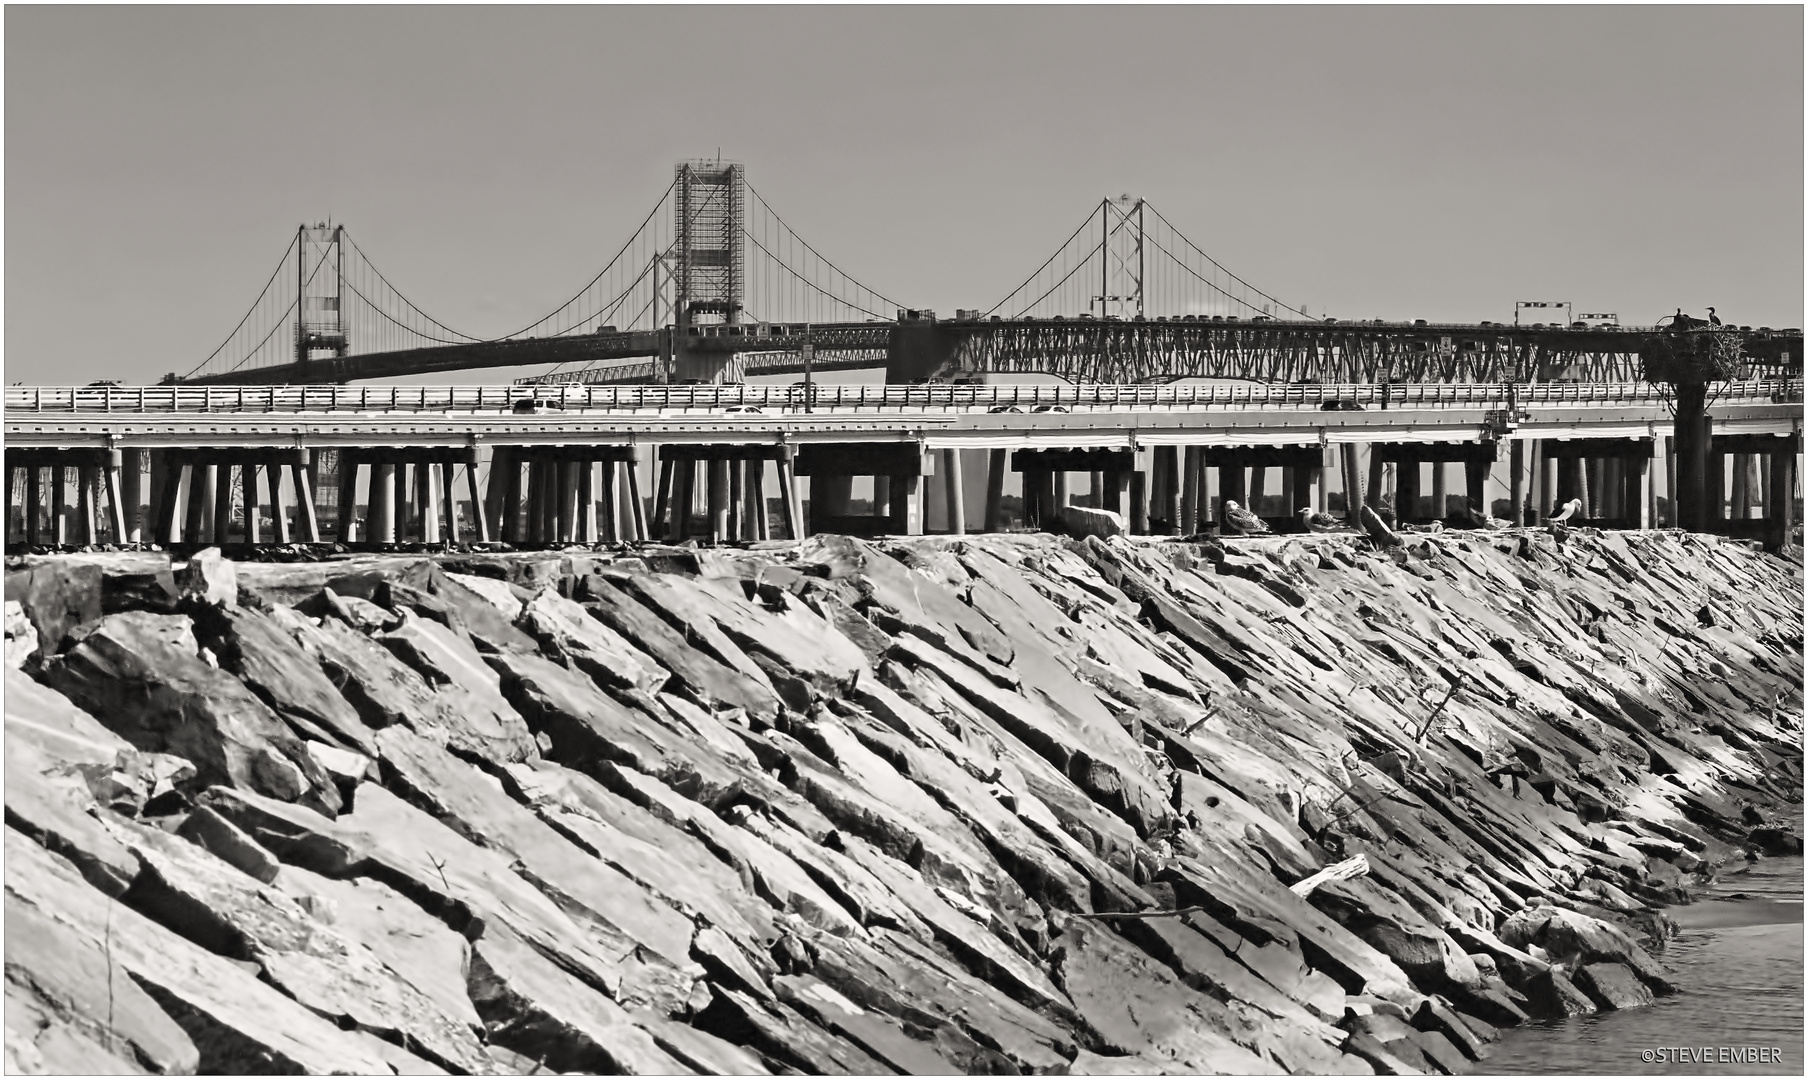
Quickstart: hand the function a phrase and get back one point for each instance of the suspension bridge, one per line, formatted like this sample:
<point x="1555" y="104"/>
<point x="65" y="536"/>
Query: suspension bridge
<point x="714" y="285"/>
<point x="652" y="354"/>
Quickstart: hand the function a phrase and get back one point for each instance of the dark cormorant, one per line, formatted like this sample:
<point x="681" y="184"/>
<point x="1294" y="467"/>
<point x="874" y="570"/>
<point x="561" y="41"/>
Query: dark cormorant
<point x="1713" y="319"/>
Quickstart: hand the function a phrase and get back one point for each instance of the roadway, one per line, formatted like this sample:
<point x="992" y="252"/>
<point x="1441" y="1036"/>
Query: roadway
<point x="936" y="417"/>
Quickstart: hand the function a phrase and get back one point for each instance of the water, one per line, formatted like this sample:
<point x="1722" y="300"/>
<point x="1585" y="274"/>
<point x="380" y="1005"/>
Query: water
<point x="1738" y="961"/>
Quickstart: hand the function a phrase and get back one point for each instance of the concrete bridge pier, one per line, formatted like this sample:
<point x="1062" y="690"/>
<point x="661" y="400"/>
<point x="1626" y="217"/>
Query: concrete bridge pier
<point x="36" y="523"/>
<point x="1477" y="459"/>
<point x="897" y="469"/>
<point x="1618" y="494"/>
<point x="731" y="480"/>
<point x="1764" y="512"/>
<point x="1046" y="473"/>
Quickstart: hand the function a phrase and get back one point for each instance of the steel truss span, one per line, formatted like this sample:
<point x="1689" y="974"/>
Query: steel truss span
<point x="1107" y="351"/>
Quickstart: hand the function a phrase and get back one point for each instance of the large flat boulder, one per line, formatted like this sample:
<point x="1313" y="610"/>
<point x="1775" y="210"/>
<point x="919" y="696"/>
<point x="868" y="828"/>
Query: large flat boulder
<point x="707" y="677"/>
<point x="163" y="699"/>
<point x="70" y="1010"/>
<point x="481" y="720"/>
<point x="473" y="803"/>
<point x="256" y="647"/>
<point x="237" y="1022"/>
<point x="219" y="907"/>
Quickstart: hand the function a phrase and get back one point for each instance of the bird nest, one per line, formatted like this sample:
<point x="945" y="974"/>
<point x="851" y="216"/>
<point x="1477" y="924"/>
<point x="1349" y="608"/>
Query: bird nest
<point x="1692" y="356"/>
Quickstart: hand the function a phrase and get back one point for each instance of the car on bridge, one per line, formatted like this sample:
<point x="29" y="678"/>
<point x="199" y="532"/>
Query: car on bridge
<point x="534" y="405"/>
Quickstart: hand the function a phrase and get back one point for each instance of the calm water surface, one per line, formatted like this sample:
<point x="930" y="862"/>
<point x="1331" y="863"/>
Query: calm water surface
<point x="1738" y="961"/>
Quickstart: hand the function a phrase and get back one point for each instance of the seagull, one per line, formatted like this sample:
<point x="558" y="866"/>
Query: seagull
<point x="1377" y="529"/>
<point x="1242" y="520"/>
<point x="1569" y="510"/>
<point x="1317" y="522"/>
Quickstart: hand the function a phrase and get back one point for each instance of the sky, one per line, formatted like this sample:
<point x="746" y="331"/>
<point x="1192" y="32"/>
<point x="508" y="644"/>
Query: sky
<point x="1399" y="163"/>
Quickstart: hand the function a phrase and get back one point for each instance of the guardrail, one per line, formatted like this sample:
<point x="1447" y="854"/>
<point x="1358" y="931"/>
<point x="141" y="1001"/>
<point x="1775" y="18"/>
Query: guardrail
<point x="390" y="399"/>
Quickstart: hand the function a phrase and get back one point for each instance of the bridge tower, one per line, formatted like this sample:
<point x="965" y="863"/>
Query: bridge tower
<point x="319" y="281"/>
<point x="708" y="261"/>
<point x="1120" y="258"/>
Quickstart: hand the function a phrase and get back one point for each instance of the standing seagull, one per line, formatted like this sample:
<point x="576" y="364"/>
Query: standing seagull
<point x="1317" y="522"/>
<point x="1242" y="520"/>
<point x="1570" y="509"/>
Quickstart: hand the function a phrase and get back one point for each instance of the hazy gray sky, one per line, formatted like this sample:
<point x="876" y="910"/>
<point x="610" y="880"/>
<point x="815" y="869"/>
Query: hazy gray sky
<point x="1394" y="162"/>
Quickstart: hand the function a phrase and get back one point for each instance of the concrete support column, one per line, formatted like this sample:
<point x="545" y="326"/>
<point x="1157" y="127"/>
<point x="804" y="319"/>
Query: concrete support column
<point x="1139" y="502"/>
<point x="737" y="499"/>
<point x="1166" y="487"/>
<point x="1762" y="491"/>
<point x="717" y="501"/>
<point x="1190" y="509"/>
<point x="254" y="517"/>
<point x="1516" y="482"/>
<point x="1048" y="511"/>
<point x="955" y="490"/>
<point x="1716" y="488"/>
<point x="132" y="492"/>
<point x="307" y="515"/>
<point x="1780" y="499"/>
<point x="84" y="505"/>
<point x="380" y="512"/>
<point x="907" y="505"/>
<point x="203" y="503"/>
<point x="787" y="490"/>
<point x="279" y="507"/>
<point x="1231" y="488"/>
<point x="431" y="501"/>
<point x="1350" y="462"/>
<point x="882" y="507"/>
<point x="194" y="514"/>
<point x="1406" y="494"/>
<point x="753" y="515"/>
<point x="637" y="513"/>
<point x="1475" y="483"/>
<point x="346" y="525"/>
<point x="221" y="502"/>
<point x="1258" y="489"/>
<point x="1440" y="492"/>
<point x="117" y="521"/>
<point x="1063" y="498"/>
<point x="1377" y="475"/>
<point x="479" y="510"/>
<point x="1635" y="492"/>
<point x="34" y="505"/>
<point x="662" y="497"/>
<point x="998" y="461"/>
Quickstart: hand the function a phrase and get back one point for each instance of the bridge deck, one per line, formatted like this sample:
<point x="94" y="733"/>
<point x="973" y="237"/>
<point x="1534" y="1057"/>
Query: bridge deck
<point x="935" y="416"/>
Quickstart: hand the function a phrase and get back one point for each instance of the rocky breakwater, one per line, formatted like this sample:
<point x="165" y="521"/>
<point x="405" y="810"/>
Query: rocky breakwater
<point x="996" y="804"/>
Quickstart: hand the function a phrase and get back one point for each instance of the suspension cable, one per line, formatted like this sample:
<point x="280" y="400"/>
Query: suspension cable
<point x="401" y="296"/>
<point x="811" y="250"/>
<point x="1026" y="281"/>
<point x="787" y="269"/>
<point x="1221" y="266"/>
<point x="1079" y="266"/>
<point x="280" y="263"/>
<point x="273" y="329"/>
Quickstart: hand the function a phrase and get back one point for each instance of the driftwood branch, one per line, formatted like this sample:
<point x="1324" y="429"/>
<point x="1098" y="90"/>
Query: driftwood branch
<point x="1349" y="868"/>
<point x="1354" y="867"/>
